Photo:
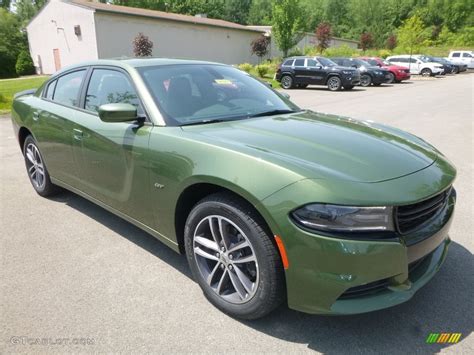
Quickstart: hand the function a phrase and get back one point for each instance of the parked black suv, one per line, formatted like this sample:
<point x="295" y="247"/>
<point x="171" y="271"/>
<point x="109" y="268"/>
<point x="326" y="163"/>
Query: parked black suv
<point x="303" y="71"/>
<point x="369" y="74"/>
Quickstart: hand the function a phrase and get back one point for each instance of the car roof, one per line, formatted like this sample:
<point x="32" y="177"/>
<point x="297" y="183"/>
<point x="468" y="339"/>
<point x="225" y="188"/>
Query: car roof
<point x="127" y="62"/>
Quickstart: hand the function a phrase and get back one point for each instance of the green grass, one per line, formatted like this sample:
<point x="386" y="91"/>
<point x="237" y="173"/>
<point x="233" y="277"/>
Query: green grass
<point x="9" y="87"/>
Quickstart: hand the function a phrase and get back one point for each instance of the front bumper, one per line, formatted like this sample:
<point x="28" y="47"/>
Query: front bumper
<point x="401" y="75"/>
<point x="350" y="80"/>
<point x="324" y="270"/>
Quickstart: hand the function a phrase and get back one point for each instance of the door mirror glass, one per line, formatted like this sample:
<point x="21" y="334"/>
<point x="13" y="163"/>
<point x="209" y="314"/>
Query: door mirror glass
<point x="118" y="112"/>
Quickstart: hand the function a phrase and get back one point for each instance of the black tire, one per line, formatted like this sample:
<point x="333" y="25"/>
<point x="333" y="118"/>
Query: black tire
<point x="269" y="285"/>
<point x="391" y="78"/>
<point x="426" y="72"/>
<point x="334" y="83"/>
<point x="456" y="70"/>
<point x="348" y="87"/>
<point x="365" y="80"/>
<point x="36" y="169"/>
<point x="287" y="82"/>
<point x="377" y="84"/>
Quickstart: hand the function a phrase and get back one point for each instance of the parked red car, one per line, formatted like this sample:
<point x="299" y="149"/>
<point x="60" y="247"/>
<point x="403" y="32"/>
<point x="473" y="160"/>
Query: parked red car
<point x="397" y="72"/>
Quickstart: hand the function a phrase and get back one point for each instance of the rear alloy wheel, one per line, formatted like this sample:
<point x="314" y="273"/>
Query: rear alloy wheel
<point x="233" y="258"/>
<point x="426" y="72"/>
<point x="365" y="80"/>
<point x="334" y="83"/>
<point x="36" y="169"/>
<point x="391" y="78"/>
<point x="287" y="82"/>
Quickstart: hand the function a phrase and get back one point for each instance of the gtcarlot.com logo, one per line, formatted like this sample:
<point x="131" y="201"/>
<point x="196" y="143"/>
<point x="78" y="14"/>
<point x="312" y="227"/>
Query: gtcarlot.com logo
<point x="441" y="338"/>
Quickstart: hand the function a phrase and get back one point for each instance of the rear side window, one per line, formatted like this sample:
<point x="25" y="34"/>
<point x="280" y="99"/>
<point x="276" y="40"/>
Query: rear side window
<point x="288" y="62"/>
<point x="50" y="90"/>
<point x="67" y="88"/>
<point x="456" y="55"/>
<point x="348" y="63"/>
<point x="299" y="62"/>
<point x="109" y="86"/>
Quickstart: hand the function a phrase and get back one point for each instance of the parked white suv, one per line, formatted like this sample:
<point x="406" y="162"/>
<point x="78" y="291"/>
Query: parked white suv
<point x="417" y="64"/>
<point x="462" y="57"/>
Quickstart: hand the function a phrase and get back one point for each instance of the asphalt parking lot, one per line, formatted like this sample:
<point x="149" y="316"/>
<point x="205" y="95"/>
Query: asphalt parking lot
<point x="71" y="270"/>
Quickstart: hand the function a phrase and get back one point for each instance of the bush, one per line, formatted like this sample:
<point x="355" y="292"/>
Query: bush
<point x="311" y="51"/>
<point x="262" y="70"/>
<point x="247" y="67"/>
<point x="343" y="51"/>
<point x="7" y="68"/>
<point x="259" y="46"/>
<point x="24" y="65"/>
<point x="384" y="53"/>
<point x="142" y="46"/>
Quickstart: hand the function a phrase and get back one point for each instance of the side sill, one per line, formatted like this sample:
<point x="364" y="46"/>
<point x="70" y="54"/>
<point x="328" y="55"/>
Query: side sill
<point x="168" y="242"/>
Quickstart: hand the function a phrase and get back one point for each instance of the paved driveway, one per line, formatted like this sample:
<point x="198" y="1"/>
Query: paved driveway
<point x="71" y="270"/>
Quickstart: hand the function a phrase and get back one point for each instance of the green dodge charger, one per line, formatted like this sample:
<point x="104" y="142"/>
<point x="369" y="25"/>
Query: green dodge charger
<point x="269" y="202"/>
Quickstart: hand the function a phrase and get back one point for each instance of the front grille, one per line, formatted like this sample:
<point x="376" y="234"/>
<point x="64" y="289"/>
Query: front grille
<point x="410" y="217"/>
<point x="366" y="289"/>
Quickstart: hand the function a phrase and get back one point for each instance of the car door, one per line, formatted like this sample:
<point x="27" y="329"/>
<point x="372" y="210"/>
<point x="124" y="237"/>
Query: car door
<point x="467" y="60"/>
<point x="53" y="120"/>
<point x="112" y="157"/>
<point x="300" y="71"/>
<point x="316" y="73"/>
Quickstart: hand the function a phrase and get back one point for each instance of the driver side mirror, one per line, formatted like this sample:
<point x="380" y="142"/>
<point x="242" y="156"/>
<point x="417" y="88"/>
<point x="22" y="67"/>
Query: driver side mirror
<point x="118" y="112"/>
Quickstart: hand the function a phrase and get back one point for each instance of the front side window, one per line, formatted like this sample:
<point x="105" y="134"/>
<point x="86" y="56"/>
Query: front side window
<point x="466" y="55"/>
<point x="50" y="90"/>
<point x="67" y="88"/>
<point x="311" y="63"/>
<point x="109" y="86"/>
<point x="193" y="94"/>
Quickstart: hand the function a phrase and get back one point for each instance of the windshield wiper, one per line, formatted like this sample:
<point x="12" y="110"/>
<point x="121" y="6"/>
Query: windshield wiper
<point x="272" y="112"/>
<point x="217" y="120"/>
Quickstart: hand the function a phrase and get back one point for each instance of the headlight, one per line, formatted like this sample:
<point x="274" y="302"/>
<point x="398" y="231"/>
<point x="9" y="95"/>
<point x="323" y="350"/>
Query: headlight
<point x="377" y="72"/>
<point x="347" y="72"/>
<point x="334" y="218"/>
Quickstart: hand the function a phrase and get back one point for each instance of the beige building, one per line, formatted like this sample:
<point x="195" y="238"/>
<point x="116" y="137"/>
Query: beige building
<point x="68" y="32"/>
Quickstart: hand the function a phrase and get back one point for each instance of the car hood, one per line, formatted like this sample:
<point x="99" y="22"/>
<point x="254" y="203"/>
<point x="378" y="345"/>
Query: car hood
<point x="317" y="145"/>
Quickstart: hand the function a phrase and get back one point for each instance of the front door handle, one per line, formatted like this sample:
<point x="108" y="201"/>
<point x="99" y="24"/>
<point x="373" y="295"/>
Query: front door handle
<point x="36" y="116"/>
<point x="78" y="134"/>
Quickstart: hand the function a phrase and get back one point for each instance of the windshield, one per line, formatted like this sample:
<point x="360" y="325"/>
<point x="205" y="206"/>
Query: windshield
<point x="361" y="63"/>
<point x="372" y="62"/>
<point x="326" y="62"/>
<point x="197" y="93"/>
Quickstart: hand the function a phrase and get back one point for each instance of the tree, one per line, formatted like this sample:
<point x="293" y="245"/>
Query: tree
<point x="26" y="9"/>
<point x="323" y="34"/>
<point x="260" y="12"/>
<point x="24" y="64"/>
<point x="287" y="24"/>
<point x="259" y="46"/>
<point x="142" y="46"/>
<point x="391" y="42"/>
<point x="366" y="41"/>
<point x="412" y="35"/>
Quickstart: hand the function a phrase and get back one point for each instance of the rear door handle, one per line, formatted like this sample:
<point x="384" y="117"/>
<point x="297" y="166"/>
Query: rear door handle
<point x="78" y="134"/>
<point x="36" y="116"/>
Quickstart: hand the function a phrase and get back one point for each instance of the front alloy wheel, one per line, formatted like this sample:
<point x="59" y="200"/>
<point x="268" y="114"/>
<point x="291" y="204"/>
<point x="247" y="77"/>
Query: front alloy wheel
<point x="391" y="78"/>
<point x="334" y="83"/>
<point x="426" y="72"/>
<point x="233" y="258"/>
<point x="365" y="80"/>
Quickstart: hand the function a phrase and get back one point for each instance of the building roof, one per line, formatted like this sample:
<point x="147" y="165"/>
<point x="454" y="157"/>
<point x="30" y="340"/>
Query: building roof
<point x="135" y="11"/>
